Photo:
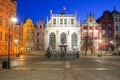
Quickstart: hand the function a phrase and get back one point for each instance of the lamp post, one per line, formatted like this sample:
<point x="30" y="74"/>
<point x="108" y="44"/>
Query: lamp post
<point x="13" y="19"/>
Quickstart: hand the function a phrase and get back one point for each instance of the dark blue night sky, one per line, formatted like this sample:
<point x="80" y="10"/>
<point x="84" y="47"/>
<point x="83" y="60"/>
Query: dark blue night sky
<point x="40" y="9"/>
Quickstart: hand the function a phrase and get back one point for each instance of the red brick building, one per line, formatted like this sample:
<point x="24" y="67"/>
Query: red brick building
<point x="107" y="30"/>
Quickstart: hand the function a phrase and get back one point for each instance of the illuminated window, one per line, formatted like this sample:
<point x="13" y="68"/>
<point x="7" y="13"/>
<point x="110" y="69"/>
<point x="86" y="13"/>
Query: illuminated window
<point x="52" y="41"/>
<point x="27" y="31"/>
<point x="32" y="31"/>
<point x="74" y="40"/>
<point x="63" y="38"/>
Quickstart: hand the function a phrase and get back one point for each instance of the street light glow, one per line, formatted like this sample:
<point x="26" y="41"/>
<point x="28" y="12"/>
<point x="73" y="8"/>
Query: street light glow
<point x="14" y="19"/>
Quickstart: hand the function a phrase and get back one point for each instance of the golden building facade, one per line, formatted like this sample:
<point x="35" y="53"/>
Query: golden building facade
<point x="7" y="10"/>
<point x="28" y="36"/>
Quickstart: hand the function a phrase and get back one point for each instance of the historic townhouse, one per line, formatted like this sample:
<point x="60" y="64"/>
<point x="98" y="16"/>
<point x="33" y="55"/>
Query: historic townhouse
<point x="90" y="34"/>
<point x="28" y="36"/>
<point x="7" y="10"/>
<point x="107" y="25"/>
<point x="39" y="36"/>
<point x="116" y="17"/>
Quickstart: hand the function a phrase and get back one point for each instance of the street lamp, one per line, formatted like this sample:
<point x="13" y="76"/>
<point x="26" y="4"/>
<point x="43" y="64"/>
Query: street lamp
<point x="11" y="20"/>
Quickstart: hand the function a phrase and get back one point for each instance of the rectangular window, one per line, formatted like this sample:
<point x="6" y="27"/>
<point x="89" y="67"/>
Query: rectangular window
<point x="42" y="40"/>
<point x="1" y="20"/>
<point x="104" y="48"/>
<point x="116" y="20"/>
<point x="0" y="36"/>
<point x="96" y="28"/>
<point x="103" y="39"/>
<point x="37" y="40"/>
<point x="109" y="38"/>
<point x="42" y="33"/>
<point x="37" y="33"/>
<point x="117" y="37"/>
<point x="32" y="31"/>
<point x="54" y="21"/>
<point x="6" y="37"/>
<point x="103" y="26"/>
<point x="40" y="26"/>
<point x="85" y="27"/>
<point x="109" y="31"/>
<point x="109" y="25"/>
<point x="90" y="28"/>
<point x="72" y="21"/>
<point x="103" y="32"/>
<point x="61" y="21"/>
<point x="116" y="28"/>
<point x="65" y="21"/>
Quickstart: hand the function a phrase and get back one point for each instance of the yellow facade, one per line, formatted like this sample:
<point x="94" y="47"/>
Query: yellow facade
<point x="28" y="36"/>
<point x="7" y="10"/>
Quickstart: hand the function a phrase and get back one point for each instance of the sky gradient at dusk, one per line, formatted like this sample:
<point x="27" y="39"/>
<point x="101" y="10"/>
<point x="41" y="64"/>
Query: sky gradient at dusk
<point x="40" y="9"/>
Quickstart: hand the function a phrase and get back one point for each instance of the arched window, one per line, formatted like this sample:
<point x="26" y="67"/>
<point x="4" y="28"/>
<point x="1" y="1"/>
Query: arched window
<point x="63" y="38"/>
<point x="52" y="41"/>
<point x="74" y="40"/>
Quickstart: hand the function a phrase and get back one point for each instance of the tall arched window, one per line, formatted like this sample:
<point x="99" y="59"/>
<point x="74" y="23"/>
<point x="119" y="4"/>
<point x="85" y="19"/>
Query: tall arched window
<point x="74" y="40"/>
<point x="52" y="41"/>
<point x="63" y="38"/>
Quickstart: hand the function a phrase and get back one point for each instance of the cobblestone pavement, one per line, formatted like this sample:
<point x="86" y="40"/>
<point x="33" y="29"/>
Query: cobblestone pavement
<point x="84" y="68"/>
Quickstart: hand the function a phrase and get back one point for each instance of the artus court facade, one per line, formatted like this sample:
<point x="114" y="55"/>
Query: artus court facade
<point x="62" y="28"/>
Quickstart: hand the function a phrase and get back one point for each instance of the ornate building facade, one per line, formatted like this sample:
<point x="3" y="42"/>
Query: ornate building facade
<point x="39" y="36"/>
<point x="90" y="34"/>
<point x="7" y="10"/>
<point x="62" y="29"/>
<point x="28" y="36"/>
<point x="107" y="30"/>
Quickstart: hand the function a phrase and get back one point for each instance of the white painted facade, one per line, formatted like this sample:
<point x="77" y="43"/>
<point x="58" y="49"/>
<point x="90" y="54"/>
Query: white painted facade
<point x="62" y="23"/>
